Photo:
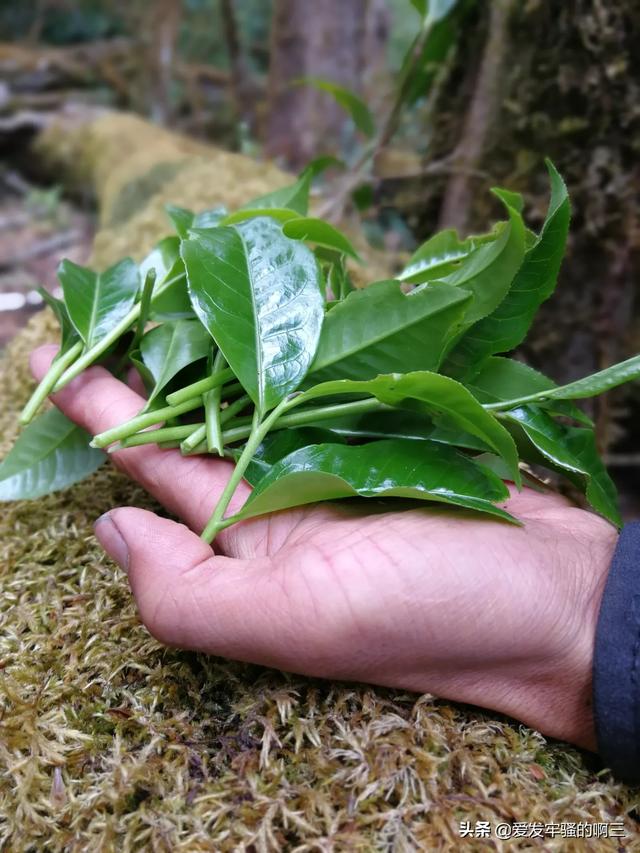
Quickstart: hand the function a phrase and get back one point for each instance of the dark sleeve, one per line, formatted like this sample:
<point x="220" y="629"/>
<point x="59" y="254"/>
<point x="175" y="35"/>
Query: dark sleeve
<point x="616" y="663"/>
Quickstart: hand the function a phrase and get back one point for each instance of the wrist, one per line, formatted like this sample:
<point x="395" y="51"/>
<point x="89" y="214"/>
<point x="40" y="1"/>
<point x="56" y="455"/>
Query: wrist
<point x="558" y="698"/>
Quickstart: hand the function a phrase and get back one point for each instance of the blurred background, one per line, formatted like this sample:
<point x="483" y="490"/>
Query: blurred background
<point x="497" y="86"/>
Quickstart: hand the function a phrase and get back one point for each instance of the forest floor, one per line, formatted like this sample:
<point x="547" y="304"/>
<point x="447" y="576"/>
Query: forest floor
<point x="37" y="228"/>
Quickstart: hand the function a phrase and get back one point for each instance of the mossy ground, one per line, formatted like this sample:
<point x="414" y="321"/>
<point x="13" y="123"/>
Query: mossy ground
<point x="110" y="742"/>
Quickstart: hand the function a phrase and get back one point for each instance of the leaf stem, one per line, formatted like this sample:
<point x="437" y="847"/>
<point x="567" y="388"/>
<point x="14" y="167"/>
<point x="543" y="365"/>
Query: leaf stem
<point x="258" y="432"/>
<point x="103" y="345"/>
<point x="140" y="422"/>
<point x="198" y="388"/>
<point x="161" y="435"/>
<point x="212" y="401"/>
<point x="48" y="381"/>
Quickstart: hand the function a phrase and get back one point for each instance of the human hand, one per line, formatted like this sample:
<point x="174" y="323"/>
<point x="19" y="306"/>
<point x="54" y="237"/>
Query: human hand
<point x="469" y="608"/>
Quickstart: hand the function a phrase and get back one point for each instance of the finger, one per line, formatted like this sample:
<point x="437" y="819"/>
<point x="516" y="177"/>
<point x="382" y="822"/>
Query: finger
<point x="188" y="486"/>
<point x="134" y="381"/>
<point x="191" y="598"/>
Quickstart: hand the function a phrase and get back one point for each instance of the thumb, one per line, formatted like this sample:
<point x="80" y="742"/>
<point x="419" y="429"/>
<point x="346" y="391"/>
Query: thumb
<point x="188" y="596"/>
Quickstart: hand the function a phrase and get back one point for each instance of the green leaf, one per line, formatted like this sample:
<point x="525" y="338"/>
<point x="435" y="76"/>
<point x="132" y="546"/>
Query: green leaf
<point x="172" y="302"/>
<point x="419" y="75"/>
<point x="68" y="334"/>
<point x="210" y="218"/>
<point x="181" y="218"/>
<point x="50" y="454"/>
<point x="507" y="326"/>
<point x="446" y="401"/>
<point x="397" y="423"/>
<point x="184" y="220"/>
<point x="258" y="294"/>
<point x="572" y="451"/>
<point x="162" y="258"/>
<point x="170" y="347"/>
<point x="589" y="386"/>
<point x="506" y="378"/>
<point x="320" y="164"/>
<point x="321" y="233"/>
<point x="489" y="270"/>
<point x="96" y="302"/>
<point x="439" y="256"/>
<point x="380" y="329"/>
<point x="293" y="197"/>
<point x="280" y="214"/>
<point x="433" y="10"/>
<point x="279" y="444"/>
<point x="348" y="100"/>
<point x="382" y="469"/>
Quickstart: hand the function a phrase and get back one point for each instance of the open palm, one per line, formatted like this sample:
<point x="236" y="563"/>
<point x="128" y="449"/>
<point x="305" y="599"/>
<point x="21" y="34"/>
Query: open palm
<point x="467" y="607"/>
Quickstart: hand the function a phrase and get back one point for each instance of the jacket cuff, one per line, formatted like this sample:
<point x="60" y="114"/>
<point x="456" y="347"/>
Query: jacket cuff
<point x="616" y="662"/>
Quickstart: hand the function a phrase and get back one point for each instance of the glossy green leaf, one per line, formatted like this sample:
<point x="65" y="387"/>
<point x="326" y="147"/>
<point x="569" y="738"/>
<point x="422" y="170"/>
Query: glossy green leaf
<point x="505" y="378"/>
<point x="380" y="329"/>
<point x="506" y="327"/>
<point x="293" y="197"/>
<point x="439" y="256"/>
<point x="181" y="218"/>
<point x="446" y="401"/>
<point x="382" y="469"/>
<point x="171" y="297"/>
<point x="258" y="294"/>
<point x="97" y="302"/>
<point x="590" y="386"/>
<point x="279" y="444"/>
<point x="572" y="451"/>
<point x="68" y="334"/>
<point x="170" y="347"/>
<point x="280" y="214"/>
<point x="488" y="271"/>
<point x="321" y="233"/>
<point x="162" y="258"/>
<point x="50" y="454"/>
<point x="210" y="218"/>
<point x="348" y="100"/>
<point x="398" y="423"/>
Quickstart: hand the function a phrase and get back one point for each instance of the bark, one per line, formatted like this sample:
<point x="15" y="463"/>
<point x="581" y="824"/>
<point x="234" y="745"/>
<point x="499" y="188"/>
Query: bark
<point x="339" y="42"/>
<point x="480" y="121"/>
<point x="243" y="90"/>
<point x="165" y="25"/>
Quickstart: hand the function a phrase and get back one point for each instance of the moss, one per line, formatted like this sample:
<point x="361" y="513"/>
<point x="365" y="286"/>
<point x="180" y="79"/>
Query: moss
<point x="109" y="741"/>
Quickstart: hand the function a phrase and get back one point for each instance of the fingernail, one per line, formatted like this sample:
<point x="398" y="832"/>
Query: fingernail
<point x="110" y="538"/>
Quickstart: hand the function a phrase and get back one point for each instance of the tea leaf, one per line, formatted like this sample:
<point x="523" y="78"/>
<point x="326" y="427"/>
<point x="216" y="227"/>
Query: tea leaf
<point x="446" y="401"/>
<point x="382" y="469"/>
<point x="258" y="294"/>
<point x="50" y="454"/>
<point x="321" y="233"/>
<point x="167" y="349"/>
<point x="97" y="302"/>
<point x="572" y="451"/>
<point x="348" y="100"/>
<point x="506" y="327"/>
<point x="380" y="329"/>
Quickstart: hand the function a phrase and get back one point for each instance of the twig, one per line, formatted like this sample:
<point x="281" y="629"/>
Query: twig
<point x="484" y="109"/>
<point x="334" y="207"/>
<point x="41" y="248"/>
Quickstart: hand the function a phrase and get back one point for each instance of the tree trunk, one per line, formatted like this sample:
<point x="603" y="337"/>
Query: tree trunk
<point x="165" y="25"/>
<point x="480" y="120"/>
<point x="342" y="43"/>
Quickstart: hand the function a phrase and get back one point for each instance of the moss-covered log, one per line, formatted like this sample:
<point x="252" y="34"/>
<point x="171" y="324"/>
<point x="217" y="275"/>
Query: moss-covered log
<point x="109" y="741"/>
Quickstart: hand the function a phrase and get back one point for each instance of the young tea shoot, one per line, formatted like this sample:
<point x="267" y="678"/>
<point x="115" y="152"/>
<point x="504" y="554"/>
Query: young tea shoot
<point x="254" y="345"/>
